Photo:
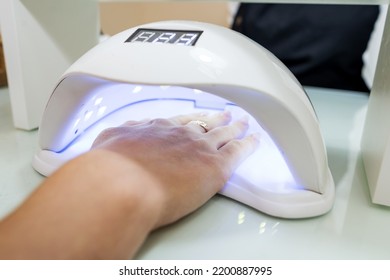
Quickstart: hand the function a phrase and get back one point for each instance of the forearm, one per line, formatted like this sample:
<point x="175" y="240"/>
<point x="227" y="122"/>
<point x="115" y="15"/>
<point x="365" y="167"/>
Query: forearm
<point x="99" y="205"/>
<point x="138" y="176"/>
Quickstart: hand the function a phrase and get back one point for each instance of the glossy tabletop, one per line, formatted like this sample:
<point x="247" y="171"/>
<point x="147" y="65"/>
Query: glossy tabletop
<point x="225" y="229"/>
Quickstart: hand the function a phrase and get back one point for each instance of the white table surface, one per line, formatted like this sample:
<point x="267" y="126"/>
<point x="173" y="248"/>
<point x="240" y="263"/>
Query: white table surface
<point x="225" y="229"/>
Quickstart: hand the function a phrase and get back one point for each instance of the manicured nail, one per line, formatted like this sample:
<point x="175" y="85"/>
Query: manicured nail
<point x="245" y="119"/>
<point x="226" y="116"/>
<point x="256" y="136"/>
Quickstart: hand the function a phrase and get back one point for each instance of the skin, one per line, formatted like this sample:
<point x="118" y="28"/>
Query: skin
<point x="136" y="178"/>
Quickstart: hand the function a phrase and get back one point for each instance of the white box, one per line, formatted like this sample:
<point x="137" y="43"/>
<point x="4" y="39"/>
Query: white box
<point x="376" y="136"/>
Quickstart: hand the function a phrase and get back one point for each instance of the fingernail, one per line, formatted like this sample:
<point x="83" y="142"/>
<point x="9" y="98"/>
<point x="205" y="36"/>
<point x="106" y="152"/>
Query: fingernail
<point x="244" y="120"/>
<point x="256" y="136"/>
<point x="226" y="114"/>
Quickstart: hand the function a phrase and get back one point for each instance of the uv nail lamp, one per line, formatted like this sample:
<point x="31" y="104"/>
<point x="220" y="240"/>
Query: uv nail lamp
<point x="177" y="67"/>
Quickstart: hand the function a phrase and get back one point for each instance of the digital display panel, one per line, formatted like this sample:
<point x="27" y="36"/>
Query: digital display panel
<point x="165" y="36"/>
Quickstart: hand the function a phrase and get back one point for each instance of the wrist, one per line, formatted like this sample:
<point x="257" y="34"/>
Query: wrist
<point x="123" y="192"/>
<point x="129" y="181"/>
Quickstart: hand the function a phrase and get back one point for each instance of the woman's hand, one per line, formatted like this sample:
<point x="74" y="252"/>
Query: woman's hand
<point x="137" y="177"/>
<point x="191" y="156"/>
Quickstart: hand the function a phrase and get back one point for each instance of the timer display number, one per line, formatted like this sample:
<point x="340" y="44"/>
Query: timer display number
<point x="164" y="36"/>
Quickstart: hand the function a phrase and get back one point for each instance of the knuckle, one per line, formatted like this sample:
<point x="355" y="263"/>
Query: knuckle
<point x="108" y="132"/>
<point x="182" y="130"/>
<point x="161" y="122"/>
<point x="233" y="146"/>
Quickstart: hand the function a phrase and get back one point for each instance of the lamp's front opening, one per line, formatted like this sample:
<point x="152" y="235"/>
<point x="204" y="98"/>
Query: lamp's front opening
<point x="113" y="104"/>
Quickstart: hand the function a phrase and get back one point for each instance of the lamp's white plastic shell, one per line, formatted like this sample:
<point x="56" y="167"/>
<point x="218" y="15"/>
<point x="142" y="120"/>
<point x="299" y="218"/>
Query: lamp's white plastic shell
<point x="226" y="64"/>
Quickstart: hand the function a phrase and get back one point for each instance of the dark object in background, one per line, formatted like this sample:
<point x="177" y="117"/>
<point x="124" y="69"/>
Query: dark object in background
<point x="3" y="74"/>
<point x="322" y="45"/>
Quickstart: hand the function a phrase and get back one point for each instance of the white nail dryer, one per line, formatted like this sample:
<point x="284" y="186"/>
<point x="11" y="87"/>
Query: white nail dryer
<point x="169" y="68"/>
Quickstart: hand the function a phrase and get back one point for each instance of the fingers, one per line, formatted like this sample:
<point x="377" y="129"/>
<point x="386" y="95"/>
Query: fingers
<point x="225" y="137"/>
<point x="216" y="127"/>
<point x="203" y="126"/>
<point x="185" y="119"/>
<point x="217" y="120"/>
<point x="203" y="122"/>
<point x="219" y="136"/>
<point x="237" y="150"/>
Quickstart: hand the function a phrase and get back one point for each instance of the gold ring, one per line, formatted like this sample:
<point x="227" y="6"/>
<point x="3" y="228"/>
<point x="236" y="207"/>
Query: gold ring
<point x="202" y="124"/>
